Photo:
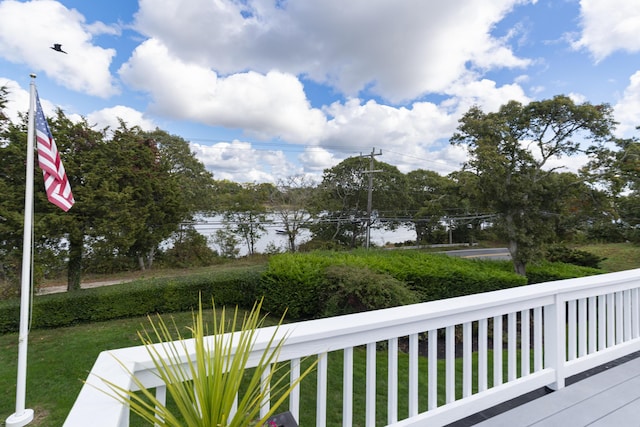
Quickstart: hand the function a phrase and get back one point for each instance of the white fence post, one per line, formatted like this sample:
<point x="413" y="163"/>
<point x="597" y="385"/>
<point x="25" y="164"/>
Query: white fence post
<point x="555" y="339"/>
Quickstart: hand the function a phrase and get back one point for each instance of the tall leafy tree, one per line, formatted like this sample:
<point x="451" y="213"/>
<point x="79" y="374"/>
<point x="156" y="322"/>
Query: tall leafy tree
<point x="97" y="216"/>
<point x="246" y="213"/>
<point x="344" y="198"/>
<point x="292" y="205"/>
<point x="54" y="230"/>
<point x="165" y="185"/>
<point x="431" y="196"/>
<point x="13" y="148"/>
<point x="131" y="192"/>
<point x="510" y="152"/>
<point x="195" y="183"/>
<point x="617" y="171"/>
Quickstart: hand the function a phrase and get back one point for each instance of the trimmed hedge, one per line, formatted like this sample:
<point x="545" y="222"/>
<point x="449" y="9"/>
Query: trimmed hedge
<point x="298" y="281"/>
<point x="550" y="271"/>
<point x="137" y="298"/>
<point x="304" y="283"/>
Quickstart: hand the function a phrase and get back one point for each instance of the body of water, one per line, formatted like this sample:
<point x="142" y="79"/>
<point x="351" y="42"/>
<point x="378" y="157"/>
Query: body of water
<point x="207" y="226"/>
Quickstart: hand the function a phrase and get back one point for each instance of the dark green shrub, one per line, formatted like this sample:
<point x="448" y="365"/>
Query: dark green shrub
<point x="138" y="298"/>
<point x="607" y="232"/>
<point x="297" y="281"/>
<point x="548" y="271"/>
<point x="190" y="249"/>
<point x="350" y="289"/>
<point x="560" y="253"/>
<point x="292" y="283"/>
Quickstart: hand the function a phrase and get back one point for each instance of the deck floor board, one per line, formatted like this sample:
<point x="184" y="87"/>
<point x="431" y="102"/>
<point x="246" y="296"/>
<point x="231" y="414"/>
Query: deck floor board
<point x="609" y="398"/>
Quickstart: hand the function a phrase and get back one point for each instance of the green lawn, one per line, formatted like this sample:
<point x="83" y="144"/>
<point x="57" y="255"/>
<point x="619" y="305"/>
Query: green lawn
<point x="58" y="361"/>
<point x="620" y="256"/>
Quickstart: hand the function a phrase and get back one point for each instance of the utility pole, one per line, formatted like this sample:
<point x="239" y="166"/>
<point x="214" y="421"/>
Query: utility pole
<point x="370" y="193"/>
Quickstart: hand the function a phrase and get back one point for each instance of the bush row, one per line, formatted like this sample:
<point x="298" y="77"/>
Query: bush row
<point x="138" y="298"/>
<point x="298" y="282"/>
<point x="316" y="284"/>
<point x="306" y="285"/>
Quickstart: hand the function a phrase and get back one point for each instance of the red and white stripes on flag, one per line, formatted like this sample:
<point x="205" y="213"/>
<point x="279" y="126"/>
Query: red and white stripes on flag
<point x="55" y="178"/>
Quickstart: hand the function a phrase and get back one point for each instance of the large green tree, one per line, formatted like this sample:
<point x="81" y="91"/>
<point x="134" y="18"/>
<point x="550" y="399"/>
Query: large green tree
<point x="617" y="171"/>
<point x="431" y="195"/>
<point x="13" y="149"/>
<point x="510" y="151"/>
<point x="132" y="190"/>
<point x="343" y="199"/>
<point x="195" y="183"/>
<point x="246" y="212"/>
<point x="292" y="204"/>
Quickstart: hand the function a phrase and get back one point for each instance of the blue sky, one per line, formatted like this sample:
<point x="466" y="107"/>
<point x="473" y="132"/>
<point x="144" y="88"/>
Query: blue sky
<point x="266" y="89"/>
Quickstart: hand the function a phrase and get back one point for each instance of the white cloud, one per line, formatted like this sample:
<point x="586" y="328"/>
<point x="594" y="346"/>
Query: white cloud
<point x="398" y="50"/>
<point x="627" y="110"/>
<point x="357" y="127"/>
<point x="109" y="117"/>
<point x="273" y="105"/>
<point x="609" y="26"/>
<point x="17" y="100"/>
<point x="28" y="29"/>
<point x="577" y="98"/>
<point x="485" y="94"/>
<point x="317" y="159"/>
<point x="239" y="161"/>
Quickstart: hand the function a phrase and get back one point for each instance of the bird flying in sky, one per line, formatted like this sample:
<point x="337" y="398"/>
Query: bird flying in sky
<point x="58" y="47"/>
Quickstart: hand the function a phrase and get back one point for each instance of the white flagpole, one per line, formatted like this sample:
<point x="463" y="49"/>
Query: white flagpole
<point x="24" y="416"/>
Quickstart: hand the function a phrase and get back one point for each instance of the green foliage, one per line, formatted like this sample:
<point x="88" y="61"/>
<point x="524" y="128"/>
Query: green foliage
<point x="232" y="287"/>
<point x="430" y="196"/>
<point x="190" y="249"/>
<point x="351" y="289"/>
<point x="132" y="189"/>
<point x="606" y="232"/>
<point x="548" y="271"/>
<point x="298" y="281"/>
<point x="292" y="283"/>
<point x="617" y="257"/>
<point x="205" y="386"/>
<point x="560" y="253"/>
<point x="227" y="242"/>
<point x="343" y="199"/>
<point x="513" y="177"/>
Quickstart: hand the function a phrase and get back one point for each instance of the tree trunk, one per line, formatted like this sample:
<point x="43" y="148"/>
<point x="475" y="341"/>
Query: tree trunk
<point x="421" y="231"/>
<point x="292" y="240"/>
<point x="74" y="267"/>
<point x="519" y="266"/>
<point x="151" y="258"/>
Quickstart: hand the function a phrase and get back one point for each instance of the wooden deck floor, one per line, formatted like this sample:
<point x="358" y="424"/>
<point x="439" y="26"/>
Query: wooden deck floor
<point x="608" y="396"/>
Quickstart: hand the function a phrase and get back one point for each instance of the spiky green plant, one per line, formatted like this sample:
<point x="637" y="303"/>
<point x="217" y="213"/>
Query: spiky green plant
<point x="204" y="386"/>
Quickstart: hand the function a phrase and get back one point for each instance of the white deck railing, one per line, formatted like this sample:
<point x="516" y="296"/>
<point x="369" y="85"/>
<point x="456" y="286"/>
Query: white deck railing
<point x="512" y="341"/>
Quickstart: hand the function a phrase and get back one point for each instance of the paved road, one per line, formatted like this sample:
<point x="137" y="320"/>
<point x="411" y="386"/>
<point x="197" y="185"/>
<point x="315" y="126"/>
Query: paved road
<point x="487" y="253"/>
<point x="63" y="288"/>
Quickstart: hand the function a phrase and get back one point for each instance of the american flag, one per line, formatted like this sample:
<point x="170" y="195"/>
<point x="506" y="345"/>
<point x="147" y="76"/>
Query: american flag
<point x="55" y="178"/>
